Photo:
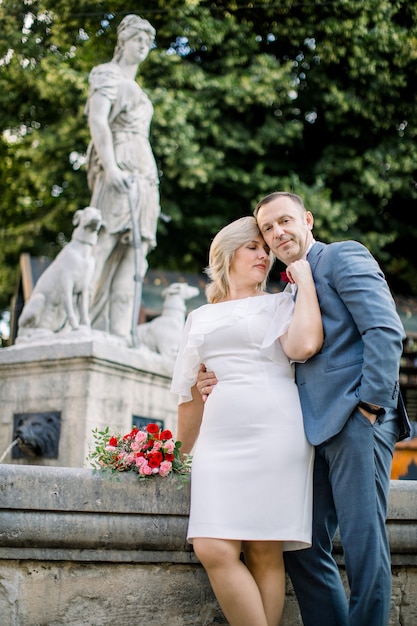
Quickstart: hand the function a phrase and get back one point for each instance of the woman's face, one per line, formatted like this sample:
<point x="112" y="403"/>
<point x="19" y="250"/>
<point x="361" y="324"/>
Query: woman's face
<point x="250" y="264"/>
<point x="136" y="48"/>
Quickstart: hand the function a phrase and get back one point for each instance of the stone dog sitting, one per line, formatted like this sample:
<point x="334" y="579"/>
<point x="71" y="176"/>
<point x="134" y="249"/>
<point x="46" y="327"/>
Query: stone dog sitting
<point x="61" y="294"/>
<point x="163" y="334"/>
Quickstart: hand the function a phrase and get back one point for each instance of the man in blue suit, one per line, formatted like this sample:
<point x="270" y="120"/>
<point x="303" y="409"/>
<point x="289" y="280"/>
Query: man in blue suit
<point x="353" y="415"/>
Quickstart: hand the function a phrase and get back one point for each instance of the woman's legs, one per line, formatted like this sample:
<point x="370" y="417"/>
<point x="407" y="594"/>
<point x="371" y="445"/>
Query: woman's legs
<point x="264" y="560"/>
<point x="249" y="595"/>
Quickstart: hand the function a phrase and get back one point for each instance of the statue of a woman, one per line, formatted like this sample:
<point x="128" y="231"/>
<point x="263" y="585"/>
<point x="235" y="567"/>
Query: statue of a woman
<point x="122" y="176"/>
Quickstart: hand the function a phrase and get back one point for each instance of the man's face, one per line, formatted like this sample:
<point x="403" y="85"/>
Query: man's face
<point x="286" y="228"/>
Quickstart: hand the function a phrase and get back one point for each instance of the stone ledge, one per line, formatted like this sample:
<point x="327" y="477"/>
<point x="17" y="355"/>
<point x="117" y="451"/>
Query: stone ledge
<point x="97" y="556"/>
<point x="40" y="488"/>
<point x="77" y="548"/>
<point x="73" y="512"/>
<point x="94" y="345"/>
<point x="73" y="530"/>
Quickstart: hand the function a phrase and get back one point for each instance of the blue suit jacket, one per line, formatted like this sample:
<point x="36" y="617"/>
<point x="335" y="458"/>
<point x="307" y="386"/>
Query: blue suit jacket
<point x="363" y="338"/>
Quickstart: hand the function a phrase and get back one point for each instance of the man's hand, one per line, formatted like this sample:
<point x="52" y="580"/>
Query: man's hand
<point x="205" y="382"/>
<point x="371" y="417"/>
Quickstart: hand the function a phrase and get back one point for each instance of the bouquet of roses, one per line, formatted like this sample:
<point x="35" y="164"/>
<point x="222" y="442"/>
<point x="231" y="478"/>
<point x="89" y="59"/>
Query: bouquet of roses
<point x="148" y="452"/>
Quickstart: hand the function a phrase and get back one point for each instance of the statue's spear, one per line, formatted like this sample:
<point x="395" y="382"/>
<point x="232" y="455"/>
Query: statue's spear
<point x="137" y="245"/>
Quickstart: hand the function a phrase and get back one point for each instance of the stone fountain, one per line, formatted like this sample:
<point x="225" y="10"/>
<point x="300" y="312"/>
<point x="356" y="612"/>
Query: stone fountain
<point x="81" y="360"/>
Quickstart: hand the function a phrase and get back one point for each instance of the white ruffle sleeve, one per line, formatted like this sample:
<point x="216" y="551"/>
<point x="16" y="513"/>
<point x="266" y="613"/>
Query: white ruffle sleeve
<point x="187" y="364"/>
<point x="278" y="326"/>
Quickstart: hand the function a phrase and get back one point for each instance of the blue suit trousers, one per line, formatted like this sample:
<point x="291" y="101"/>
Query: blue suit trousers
<point x="351" y="486"/>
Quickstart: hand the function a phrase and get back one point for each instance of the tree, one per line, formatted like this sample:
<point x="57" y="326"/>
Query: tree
<point x="248" y="97"/>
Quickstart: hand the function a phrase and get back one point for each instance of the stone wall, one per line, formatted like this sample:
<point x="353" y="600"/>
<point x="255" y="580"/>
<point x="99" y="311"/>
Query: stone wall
<point x="79" y="549"/>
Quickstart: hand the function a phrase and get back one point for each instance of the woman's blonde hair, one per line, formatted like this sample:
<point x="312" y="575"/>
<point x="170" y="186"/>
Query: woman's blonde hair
<point x="222" y="250"/>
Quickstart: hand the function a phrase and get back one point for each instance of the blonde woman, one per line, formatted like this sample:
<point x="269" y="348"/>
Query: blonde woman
<point x="251" y="485"/>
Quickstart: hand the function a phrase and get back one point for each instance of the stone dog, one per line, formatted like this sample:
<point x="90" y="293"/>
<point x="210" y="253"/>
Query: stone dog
<point x="163" y="333"/>
<point x="61" y="294"/>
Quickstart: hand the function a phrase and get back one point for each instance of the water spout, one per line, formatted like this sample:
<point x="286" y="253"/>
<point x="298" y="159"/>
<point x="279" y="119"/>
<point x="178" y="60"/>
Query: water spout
<point x="7" y="450"/>
<point x="38" y="435"/>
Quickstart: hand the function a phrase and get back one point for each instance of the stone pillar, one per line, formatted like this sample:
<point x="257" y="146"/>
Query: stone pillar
<point x="91" y="383"/>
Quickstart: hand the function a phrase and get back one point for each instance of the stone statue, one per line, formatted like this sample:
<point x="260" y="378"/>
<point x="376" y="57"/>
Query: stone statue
<point x="61" y="294"/>
<point x="163" y="334"/>
<point x="122" y="177"/>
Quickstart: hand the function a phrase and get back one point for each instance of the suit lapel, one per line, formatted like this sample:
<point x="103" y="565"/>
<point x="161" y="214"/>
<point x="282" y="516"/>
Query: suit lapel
<point x="314" y="254"/>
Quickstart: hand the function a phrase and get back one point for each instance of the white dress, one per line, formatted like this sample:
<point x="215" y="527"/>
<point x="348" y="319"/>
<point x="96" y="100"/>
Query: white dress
<point x="251" y="476"/>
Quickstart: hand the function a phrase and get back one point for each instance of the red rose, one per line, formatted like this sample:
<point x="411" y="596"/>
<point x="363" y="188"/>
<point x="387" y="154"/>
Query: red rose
<point x="113" y="441"/>
<point x="152" y="429"/>
<point x="130" y="435"/>
<point x="155" y="459"/>
<point x="169" y="457"/>
<point x="166" y="434"/>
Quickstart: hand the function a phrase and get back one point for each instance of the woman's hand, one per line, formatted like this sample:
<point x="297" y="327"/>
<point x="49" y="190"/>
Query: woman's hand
<point x="304" y="337"/>
<point x="299" y="271"/>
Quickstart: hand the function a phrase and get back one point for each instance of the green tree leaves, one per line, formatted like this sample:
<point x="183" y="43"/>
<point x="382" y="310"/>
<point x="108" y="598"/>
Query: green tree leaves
<point x="314" y="97"/>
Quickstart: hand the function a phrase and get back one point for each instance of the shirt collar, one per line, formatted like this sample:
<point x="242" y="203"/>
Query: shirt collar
<point x="309" y="248"/>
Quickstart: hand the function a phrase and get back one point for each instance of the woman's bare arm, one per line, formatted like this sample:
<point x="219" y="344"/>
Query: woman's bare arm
<point x="190" y="415"/>
<point x="304" y="337"/>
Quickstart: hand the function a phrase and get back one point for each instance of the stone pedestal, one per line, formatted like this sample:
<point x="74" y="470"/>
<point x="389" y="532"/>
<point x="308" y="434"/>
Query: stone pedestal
<point x="92" y="382"/>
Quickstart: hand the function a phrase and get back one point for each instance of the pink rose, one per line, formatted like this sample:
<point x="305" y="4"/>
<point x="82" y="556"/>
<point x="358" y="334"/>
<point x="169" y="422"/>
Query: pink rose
<point x="169" y="447"/>
<point x="145" y="470"/>
<point x="165" y="468"/>
<point x="141" y="436"/>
